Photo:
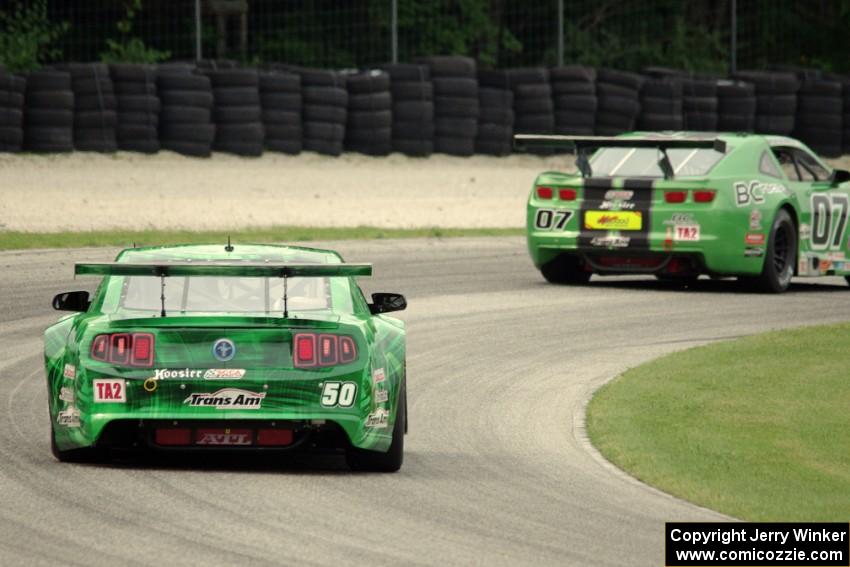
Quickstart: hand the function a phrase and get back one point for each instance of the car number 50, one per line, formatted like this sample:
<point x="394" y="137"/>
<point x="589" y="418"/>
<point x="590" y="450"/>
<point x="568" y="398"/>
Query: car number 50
<point x="341" y="394"/>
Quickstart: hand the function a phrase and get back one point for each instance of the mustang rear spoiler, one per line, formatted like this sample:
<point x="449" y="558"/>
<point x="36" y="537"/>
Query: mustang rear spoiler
<point x="580" y="144"/>
<point x="233" y="269"/>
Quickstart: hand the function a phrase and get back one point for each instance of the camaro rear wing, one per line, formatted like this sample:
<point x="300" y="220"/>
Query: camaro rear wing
<point x="581" y="144"/>
<point x="233" y="269"/>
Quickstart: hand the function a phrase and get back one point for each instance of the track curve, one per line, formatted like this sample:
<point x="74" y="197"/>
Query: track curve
<point x="497" y="469"/>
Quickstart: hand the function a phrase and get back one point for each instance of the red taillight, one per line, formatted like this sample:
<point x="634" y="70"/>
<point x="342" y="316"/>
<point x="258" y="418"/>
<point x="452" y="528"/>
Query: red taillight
<point x="124" y="349"/>
<point x="173" y="436"/>
<point x="567" y="194"/>
<point x="675" y="196"/>
<point x="312" y="350"/>
<point x="544" y="192"/>
<point x="704" y="196"/>
<point x="273" y="437"/>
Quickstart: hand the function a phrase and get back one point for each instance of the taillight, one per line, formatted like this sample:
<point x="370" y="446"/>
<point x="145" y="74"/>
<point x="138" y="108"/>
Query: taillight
<point x="567" y="194"/>
<point x="124" y="349"/>
<point x="675" y="196"/>
<point x="311" y="350"/>
<point x="544" y="192"/>
<point x="704" y="196"/>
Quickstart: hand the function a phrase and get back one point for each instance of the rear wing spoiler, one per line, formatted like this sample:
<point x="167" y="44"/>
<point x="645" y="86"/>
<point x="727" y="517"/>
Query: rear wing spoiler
<point x="234" y="269"/>
<point x="580" y="145"/>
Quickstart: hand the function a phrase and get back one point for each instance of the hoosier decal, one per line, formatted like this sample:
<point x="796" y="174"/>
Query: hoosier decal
<point x="227" y="399"/>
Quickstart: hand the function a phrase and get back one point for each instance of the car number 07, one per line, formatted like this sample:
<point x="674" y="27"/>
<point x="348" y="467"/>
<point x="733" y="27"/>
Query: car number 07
<point x="551" y="219"/>
<point x="340" y="394"/>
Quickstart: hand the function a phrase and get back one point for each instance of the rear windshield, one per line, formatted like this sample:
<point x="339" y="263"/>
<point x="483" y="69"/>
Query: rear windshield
<point x="225" y="295"/>
<point x="643" y="162"/>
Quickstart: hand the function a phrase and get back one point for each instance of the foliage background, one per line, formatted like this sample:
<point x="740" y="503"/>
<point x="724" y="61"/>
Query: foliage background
<point x="627" y="34"/>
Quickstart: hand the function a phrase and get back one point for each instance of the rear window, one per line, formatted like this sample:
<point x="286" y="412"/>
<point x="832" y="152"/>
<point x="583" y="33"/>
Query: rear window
<point x="643" y="162"/>
<point x="225" y="295"/>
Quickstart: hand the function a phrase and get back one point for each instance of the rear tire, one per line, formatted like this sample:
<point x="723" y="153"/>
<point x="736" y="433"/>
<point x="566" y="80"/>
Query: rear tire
<point x="565" y="270"/>
<point x="780" y="256"/>
<point x="391" y="461"/>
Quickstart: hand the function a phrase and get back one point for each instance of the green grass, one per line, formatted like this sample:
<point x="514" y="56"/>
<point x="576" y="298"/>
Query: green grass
<point x="757" y="428"/>
<point x="12" y="240"/>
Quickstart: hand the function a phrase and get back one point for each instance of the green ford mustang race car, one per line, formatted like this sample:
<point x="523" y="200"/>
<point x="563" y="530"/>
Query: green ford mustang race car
<point x="256" y="348"/>
<point x="677" y="205"/>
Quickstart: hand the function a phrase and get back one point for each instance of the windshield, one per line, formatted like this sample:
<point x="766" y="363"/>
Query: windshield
<point x="225" y="294"/>
<point x="643" y="162"/>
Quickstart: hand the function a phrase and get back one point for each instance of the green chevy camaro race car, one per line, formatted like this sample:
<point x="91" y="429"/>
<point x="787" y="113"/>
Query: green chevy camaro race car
<point x="677" y="205"/>
<point x="256" y="348"/>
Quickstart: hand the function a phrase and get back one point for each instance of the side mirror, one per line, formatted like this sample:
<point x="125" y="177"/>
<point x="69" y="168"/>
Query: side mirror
<point x="838" y="176"/>
<point x="386" y="302"/>
<point x="72" y="301"/>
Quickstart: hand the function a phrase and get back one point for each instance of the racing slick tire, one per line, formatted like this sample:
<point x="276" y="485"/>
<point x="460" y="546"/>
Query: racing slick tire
<point x="565" y="270"/>
<point x="780" y="257"/>
<point x="391" y="461"/>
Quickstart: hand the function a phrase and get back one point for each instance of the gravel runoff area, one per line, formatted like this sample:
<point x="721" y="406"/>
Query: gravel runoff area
<point x="87" y="191"/>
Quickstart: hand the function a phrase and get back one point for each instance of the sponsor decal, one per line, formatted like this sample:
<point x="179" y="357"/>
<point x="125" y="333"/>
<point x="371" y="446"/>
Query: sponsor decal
<point x="70" y="371"/>
<point x="611" y="241"/>
<point x="111" y="390"/>
<point x="668" y="239"/>
<point x="67" y="395"/>
<point x="681" y="218"/>
<point x="686" y="233"/>
<point x="617" y="200"/>
<point x="753" y="252"/>
<point x="224" y="350"/>
<point x="803" y="267"/>
<point x="338" y="394"/>
<point x="378" y="376"/>
<point x="173" y="374"/>
<point x="227" y="399"/>
<point x="602" y="220"/>
<point x="378" y="419"/>
<point x="755" y="219"/>
<point x="224" y="374"/>
<point x="825" y="265"/>
<point x="69" y="417"/>
<point x="224" y="437"/>
<point x="619" y="195"/>
<point x="754" y="239"/>
<point x="755" y="192"/>
<point x="381" y="396"/>
<point x="805" y="231"/>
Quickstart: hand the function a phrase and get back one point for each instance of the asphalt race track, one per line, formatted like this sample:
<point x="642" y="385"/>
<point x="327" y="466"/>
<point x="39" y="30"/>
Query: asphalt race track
<point x="497" y="470"/>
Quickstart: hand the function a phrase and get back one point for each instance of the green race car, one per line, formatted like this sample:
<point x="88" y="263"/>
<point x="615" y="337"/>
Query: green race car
<point x="238" y="348"/>
<point x="678" y="205"/>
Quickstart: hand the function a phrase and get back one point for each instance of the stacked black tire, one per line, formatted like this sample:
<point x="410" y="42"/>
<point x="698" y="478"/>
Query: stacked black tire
<point x="237" y="113"/>
<point x="325" y="110"/>
<point x="699" y="104"/>
<point x="95" y="107"/>
<point x="574" y="99"/>
<point x="280" y="98"/>
<point x="495" y="114"/>
<point x="736" y="106"/>
<point x="412" y="108"/>
<point x="776" y="100"/>
<point x="369" y="121"/>
<point x="185" y="124"/>
<point x="845" y="108"/>
<point x="138" y="107"/>
<point x="49" y="112"/>
<point x="533" y="107"/>
<point x="618" y="93"/>
<point x="819" y="119"/>
<point x="455" y="83"/>
<point x="661" y="104"/>
<point x="12" y="89"/>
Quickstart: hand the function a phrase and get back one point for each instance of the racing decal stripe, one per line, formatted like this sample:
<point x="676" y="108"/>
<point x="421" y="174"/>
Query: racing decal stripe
<point x="595" y="189"/>
<point x="642" y="189"/>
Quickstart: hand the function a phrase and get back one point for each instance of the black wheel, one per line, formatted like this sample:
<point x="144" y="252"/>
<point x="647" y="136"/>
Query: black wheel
<point x="780" y="256"/>
<point x="373" y="461"/>
<point x="565" y="270"/>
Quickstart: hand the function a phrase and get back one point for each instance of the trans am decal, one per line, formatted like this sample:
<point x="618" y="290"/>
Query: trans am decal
<point x="228" y="399"/>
